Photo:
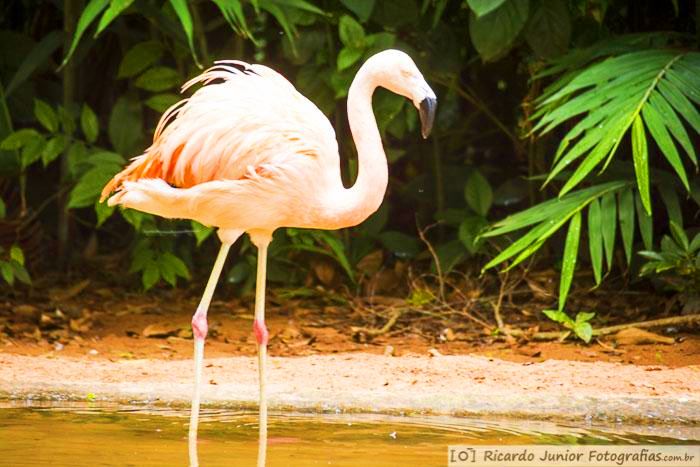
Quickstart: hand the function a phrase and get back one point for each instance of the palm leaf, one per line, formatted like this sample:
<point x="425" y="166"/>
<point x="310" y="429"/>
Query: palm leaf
<point x="569" y="260"/>
<point x="653" y="88"/>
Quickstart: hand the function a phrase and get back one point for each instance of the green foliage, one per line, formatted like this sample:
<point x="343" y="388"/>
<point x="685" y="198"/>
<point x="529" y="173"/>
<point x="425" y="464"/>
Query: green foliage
<point x="677" y="262"/>
<point x="580" y="326"/>
<point x="154" y="263"/>
<point x="12" y="265"/>
<point x="602" y="88"/>
<point x="494" y="26"/>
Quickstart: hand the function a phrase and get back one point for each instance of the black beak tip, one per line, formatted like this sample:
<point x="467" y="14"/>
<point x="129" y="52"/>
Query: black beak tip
<point x="427" y="115"/>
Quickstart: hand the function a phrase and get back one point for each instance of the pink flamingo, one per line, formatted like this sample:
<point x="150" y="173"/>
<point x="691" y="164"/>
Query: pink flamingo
<point x="251" y="154"/>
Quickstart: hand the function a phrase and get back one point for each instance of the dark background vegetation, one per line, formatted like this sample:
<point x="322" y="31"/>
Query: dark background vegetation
<point x="82" y="86"/>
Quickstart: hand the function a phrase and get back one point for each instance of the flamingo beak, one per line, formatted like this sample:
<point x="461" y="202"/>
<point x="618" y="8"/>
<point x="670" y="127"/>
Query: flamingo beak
<point x="427" y="114"/>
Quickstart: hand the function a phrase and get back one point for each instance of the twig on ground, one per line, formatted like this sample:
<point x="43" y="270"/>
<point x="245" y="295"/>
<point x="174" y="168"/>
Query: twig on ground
<point x="393" y="318"/>
<point x="552" y="335"/>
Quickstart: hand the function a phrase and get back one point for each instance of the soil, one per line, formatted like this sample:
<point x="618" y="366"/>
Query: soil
<point x="103" y="325"/>
<point x="138" y="347"/>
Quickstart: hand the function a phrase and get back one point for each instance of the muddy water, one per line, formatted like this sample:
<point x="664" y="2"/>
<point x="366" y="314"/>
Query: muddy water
<point x="84" y="435"/>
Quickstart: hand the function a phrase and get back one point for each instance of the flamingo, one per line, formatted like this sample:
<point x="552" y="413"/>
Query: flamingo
<point x="250" y="154"/>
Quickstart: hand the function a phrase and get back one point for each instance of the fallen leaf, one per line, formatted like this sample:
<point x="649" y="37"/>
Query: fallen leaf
<point x="62" y="294"/>
<point x="26" y="313"/>
<point x="157" y="331"/>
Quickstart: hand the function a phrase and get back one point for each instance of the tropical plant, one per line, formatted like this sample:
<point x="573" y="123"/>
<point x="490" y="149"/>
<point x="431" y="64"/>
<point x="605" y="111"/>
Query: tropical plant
<point x="634" y="87"/>
<point x="677" y="261"/>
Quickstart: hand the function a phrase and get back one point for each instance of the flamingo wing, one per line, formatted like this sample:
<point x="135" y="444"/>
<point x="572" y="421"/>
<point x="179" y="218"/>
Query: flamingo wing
<point x="251" y="121"/>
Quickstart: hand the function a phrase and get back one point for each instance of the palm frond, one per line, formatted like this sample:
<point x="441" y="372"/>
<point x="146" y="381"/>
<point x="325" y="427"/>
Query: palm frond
<point x="652" y="92"/>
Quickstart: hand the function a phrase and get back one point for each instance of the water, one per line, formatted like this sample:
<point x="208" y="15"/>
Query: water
<point x="85" y="435"/>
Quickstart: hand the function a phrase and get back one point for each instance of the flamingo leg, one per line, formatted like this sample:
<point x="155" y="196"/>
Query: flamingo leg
<point x="261" y="336"/>
<point x="200" y="329"/>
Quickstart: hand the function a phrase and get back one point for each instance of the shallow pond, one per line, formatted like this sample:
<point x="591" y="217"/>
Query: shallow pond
<point x="89" y="435"/>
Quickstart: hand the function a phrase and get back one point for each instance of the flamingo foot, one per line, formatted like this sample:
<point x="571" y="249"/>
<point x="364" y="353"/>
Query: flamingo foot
<point x="262" y="336"/>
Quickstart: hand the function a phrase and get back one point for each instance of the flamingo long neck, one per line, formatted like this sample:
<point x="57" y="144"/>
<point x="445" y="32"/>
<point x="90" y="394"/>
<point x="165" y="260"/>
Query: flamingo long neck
<point x="366" y="195"/>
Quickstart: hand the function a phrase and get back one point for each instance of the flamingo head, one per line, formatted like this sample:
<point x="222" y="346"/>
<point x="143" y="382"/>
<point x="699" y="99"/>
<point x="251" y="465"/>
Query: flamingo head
<point x="397" y="72"/>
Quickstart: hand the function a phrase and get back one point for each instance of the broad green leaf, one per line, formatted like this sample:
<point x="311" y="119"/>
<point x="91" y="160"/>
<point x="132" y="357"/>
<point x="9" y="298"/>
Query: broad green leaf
<point x="150" y="275"/>
<point x="493" y="33"/>
<point x="183" y="13"/>
<point x="595" y="240"/>
<point x="559" y="316"/>
<point x="77" y="155"/>
<point x="67" y="120"/>
<point x="584" y="331"/>
<point x="402" y="245"/>
<point x="45" y="115"/>
<point x="158" y="79"/>
<point x="449" y="254"/>
<point x="19" y="139"/>
<point x="31" y="152"/>
<point x="484" y="7"/>
<point x="469" y="231"/>
<point x="162" y="102"/>
<point x="640" y="157"/>
<point x="89" y="124"/>
<point x="626" y="214"/>
<point x="93" y="8"/>
<point x="568" y="266"/>
<point x="608" y="218"/>
<point x="584" y="316"/>
<point x="103" y="212"/>
<point x="20" y="273"/>
<point x="90" y="185"/>
<point x="53" y="148"/>
<point x="38" y="56"/>
<point x="478" y="193"/>
<point x="3" y="209"/>
<point x="125" y="126"/>
<point x="549" y="30"/>
<point x="347" y="57"/>
<point x="166" y="272"/>
<point x="655" y="124"/>
<point x="116" y="7"/>
<point x="352" y="34"/>
<point x="646" y="226"/>
<point x="361" y="8"/>
<point x="201" y="232"/>
<point x="139" y="57"/>
<point x="17" y="254"/>
<point x="7" y="273"/>
<point x="175" y="264"/>
<point x="238" y="273"/>
<point x="376" y="222"/>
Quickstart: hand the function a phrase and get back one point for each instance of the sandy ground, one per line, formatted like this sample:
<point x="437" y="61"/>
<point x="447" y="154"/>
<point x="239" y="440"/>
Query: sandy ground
<point x="456" y="385"/>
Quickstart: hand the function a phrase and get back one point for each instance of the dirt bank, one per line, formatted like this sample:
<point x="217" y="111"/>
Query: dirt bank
<point x="373" y="383"/>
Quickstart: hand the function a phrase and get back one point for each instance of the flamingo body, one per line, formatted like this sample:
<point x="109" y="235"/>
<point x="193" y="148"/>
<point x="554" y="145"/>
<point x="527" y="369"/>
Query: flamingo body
<point x="249" y="153"/>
